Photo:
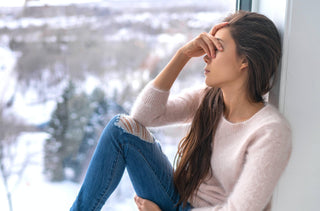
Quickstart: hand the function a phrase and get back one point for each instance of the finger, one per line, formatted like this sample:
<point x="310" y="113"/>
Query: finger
<point x="204" y="47"/>
<point x="217" y="27"/>
<point x="216" y="42"/>
<point x="209" y="40"/>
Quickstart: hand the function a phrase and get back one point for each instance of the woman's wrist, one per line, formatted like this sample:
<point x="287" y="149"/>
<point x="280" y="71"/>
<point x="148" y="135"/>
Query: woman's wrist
<point x="183" y="56"/>
<point x="183" y="53"/>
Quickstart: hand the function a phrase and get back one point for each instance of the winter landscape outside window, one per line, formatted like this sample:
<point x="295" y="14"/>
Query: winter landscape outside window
<point x="67" y="67"/>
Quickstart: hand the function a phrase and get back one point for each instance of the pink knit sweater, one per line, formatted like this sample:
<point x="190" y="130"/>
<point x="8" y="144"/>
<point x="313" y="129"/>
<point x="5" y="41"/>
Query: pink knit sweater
<point x="248" y="158"/>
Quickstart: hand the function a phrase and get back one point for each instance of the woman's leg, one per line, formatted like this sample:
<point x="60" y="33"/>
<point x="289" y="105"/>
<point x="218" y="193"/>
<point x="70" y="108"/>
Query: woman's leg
<point x="126" y="143"/>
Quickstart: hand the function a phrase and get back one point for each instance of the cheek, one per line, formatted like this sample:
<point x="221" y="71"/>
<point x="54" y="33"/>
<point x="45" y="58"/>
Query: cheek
<point x="224" y="69"/>
<point x="224" y="63"/>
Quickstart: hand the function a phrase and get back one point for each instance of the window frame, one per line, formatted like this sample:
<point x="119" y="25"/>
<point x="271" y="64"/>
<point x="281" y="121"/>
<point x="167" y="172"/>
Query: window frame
<point x="244" y="5"/>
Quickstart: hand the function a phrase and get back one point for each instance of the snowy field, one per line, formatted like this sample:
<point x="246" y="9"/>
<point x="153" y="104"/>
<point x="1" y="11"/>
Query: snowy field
<point x="32" y="191"/>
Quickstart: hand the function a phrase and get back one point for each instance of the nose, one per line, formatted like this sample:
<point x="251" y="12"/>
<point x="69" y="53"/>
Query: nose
<point x="206" y="59"/>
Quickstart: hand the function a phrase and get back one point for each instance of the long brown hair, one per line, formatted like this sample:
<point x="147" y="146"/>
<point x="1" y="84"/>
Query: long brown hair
<point x="257" y="39"/>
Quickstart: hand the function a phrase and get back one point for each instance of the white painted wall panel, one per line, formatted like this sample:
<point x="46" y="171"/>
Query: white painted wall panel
<point x="299" y="99"/>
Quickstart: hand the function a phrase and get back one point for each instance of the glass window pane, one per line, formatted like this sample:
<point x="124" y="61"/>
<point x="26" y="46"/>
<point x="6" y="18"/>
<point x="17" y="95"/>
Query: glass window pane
<point x="67" y="67"/>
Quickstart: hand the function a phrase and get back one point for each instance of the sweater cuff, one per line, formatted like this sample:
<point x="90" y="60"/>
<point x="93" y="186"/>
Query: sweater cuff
<point x="152" y="86"/>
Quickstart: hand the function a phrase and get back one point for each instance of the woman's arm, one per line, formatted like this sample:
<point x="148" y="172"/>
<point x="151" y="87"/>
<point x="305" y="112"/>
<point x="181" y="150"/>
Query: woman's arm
<point x="169" y="74"/>
<point x="152" y="107"/>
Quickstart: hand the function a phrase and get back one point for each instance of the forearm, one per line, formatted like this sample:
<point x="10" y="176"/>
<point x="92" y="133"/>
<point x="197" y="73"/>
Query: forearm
<point x="169" y="74"/>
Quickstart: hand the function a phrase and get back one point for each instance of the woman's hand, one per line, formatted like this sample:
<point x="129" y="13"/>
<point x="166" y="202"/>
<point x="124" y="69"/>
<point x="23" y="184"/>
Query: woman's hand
<point x="145" y="205"/>
<point x="205" y="43"/>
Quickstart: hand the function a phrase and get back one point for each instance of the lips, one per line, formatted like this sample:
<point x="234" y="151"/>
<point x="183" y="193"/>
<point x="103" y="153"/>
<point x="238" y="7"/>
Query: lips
<point x="206" y="71"/>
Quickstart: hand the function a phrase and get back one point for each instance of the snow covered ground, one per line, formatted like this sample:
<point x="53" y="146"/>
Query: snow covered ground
<point x="32" y="191"/>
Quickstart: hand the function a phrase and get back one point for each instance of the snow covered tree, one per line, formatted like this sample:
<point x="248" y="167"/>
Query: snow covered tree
<point x="10" y="129"/>
<point x="78" y="161"/>
<point x="75" y="127"/>
<point x="67" y="129"/>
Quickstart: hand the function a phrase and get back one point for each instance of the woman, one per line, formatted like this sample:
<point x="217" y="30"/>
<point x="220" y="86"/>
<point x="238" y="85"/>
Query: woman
<point x="237" y="146"/>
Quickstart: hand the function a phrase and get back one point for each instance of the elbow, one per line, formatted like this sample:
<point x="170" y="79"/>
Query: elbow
<point x="141" y="117"/>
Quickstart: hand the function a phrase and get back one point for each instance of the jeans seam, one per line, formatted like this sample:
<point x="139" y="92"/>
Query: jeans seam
<point x="106" y="189"/>
<point x="160" y="182"/>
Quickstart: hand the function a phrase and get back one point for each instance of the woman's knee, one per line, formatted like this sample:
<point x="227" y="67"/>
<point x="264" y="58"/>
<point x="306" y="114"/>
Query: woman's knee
<point x="131" y="126"/>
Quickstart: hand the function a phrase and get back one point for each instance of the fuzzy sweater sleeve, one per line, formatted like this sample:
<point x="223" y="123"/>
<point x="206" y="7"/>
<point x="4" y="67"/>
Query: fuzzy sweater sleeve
<point x="154" y="107"/>
<point x="266" y="159"/>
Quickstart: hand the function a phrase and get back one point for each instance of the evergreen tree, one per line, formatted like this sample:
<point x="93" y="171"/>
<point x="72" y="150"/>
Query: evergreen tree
<point x="58" y="125"/>
<point x="103" y="110"/>
<point x="75" y="127"/>
<point x="95" y="124"/>
<point x="67" y="129"/>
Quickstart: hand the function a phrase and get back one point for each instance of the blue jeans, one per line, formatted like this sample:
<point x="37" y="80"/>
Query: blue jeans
<point x="149" y="170"/>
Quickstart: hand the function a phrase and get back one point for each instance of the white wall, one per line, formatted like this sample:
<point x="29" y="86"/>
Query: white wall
<point x="275" y="10"/>
<point x="299" y="99"/>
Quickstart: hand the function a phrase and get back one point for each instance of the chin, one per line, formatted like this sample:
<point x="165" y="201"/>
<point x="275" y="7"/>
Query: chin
<point x="215" y="83"/>
<point x="210" y="83"/>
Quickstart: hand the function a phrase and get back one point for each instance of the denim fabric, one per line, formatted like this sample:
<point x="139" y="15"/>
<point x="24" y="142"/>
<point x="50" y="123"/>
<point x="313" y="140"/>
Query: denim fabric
<point x="149" y="170"/>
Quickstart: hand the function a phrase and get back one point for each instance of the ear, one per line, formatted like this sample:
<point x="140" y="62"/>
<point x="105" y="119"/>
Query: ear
<point x="244" y="64"/>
